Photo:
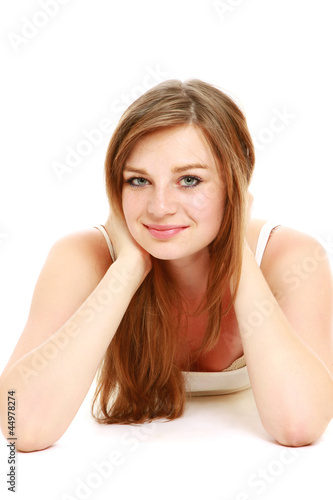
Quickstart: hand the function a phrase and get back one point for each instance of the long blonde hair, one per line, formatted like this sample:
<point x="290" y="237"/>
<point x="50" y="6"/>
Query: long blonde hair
<point x="139" y="379"/>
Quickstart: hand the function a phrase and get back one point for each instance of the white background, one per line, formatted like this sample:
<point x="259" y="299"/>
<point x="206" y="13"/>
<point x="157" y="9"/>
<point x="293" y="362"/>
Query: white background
<point x="91" y="57"/>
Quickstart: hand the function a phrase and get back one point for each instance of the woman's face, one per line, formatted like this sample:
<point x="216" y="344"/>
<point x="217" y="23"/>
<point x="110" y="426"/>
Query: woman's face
<point x="173" y="195"/>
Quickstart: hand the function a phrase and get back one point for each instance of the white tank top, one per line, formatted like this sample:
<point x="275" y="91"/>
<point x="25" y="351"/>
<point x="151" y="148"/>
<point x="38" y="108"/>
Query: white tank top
<point x="234" y="378"/>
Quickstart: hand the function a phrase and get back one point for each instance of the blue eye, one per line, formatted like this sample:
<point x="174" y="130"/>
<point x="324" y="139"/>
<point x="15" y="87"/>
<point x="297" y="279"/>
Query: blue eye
<point x="191" y="181"/>
<point x="136" y="181"/>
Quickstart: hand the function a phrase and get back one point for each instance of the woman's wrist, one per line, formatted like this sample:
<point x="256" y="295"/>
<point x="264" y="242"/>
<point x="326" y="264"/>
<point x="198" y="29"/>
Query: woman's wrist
<point x="133" y="265"/>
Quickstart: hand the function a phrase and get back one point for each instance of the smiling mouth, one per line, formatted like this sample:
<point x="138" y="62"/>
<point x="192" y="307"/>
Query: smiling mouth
<point x="165" y="232"/>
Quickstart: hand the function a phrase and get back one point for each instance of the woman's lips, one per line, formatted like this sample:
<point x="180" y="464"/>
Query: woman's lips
<point x="164" y="232"/>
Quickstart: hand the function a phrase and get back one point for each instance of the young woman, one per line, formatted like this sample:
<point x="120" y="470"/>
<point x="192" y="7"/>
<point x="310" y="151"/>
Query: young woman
<point x="191" y="296"/>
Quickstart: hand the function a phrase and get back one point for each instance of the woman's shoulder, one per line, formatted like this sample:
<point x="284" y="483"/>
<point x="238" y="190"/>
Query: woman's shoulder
<point x="74" y="266"/>
<point x="287" y="242"/>
<point x="282" y="240"/>
<point x="291" y="252"/>
<point x="86" y="247"/>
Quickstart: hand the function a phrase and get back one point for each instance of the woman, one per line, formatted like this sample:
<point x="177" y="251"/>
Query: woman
<point x="189" y="291"/>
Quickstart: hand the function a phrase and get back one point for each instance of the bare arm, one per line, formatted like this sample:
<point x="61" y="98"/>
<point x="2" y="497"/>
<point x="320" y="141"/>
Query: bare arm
<point x="52" y="369"/>
<point x="285" y="320"/>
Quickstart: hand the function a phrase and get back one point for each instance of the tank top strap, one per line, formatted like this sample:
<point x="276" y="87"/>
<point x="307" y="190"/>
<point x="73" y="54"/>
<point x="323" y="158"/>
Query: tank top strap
<point x="264" y="235"/>
<point x="108" y="241"/>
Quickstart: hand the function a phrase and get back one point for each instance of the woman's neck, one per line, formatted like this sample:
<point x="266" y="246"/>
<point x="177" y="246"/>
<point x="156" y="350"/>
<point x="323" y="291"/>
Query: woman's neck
<point x="190" y="274"/>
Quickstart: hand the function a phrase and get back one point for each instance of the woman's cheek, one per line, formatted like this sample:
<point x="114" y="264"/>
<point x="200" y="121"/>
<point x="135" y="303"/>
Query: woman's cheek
<point x="210" y="193"/>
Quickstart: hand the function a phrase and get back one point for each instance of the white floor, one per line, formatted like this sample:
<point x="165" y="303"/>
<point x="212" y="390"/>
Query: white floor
<point x="217" y="451"/>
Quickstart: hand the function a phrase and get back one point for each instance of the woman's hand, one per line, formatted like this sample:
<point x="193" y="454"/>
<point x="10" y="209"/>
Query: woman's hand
<point x="123" y="242"/>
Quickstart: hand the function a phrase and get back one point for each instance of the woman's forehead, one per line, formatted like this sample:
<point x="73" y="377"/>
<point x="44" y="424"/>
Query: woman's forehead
<point x="173" y="146"/>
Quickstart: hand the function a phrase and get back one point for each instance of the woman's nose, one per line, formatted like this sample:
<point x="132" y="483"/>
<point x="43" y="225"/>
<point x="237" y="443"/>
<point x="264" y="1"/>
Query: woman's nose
<point x="162" y="202"/>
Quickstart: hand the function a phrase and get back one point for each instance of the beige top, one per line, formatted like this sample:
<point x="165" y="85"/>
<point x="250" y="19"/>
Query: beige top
<point x="234" y="378"/>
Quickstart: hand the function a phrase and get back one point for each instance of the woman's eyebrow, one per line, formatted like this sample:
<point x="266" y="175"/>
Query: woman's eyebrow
<point x="174" y="170"/>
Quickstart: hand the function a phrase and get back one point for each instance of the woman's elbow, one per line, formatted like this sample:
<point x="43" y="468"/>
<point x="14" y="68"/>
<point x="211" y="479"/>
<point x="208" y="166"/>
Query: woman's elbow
<point x="27" y="444"/>
<point x="294" y="438"/>
<point x="297" y="434"/>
